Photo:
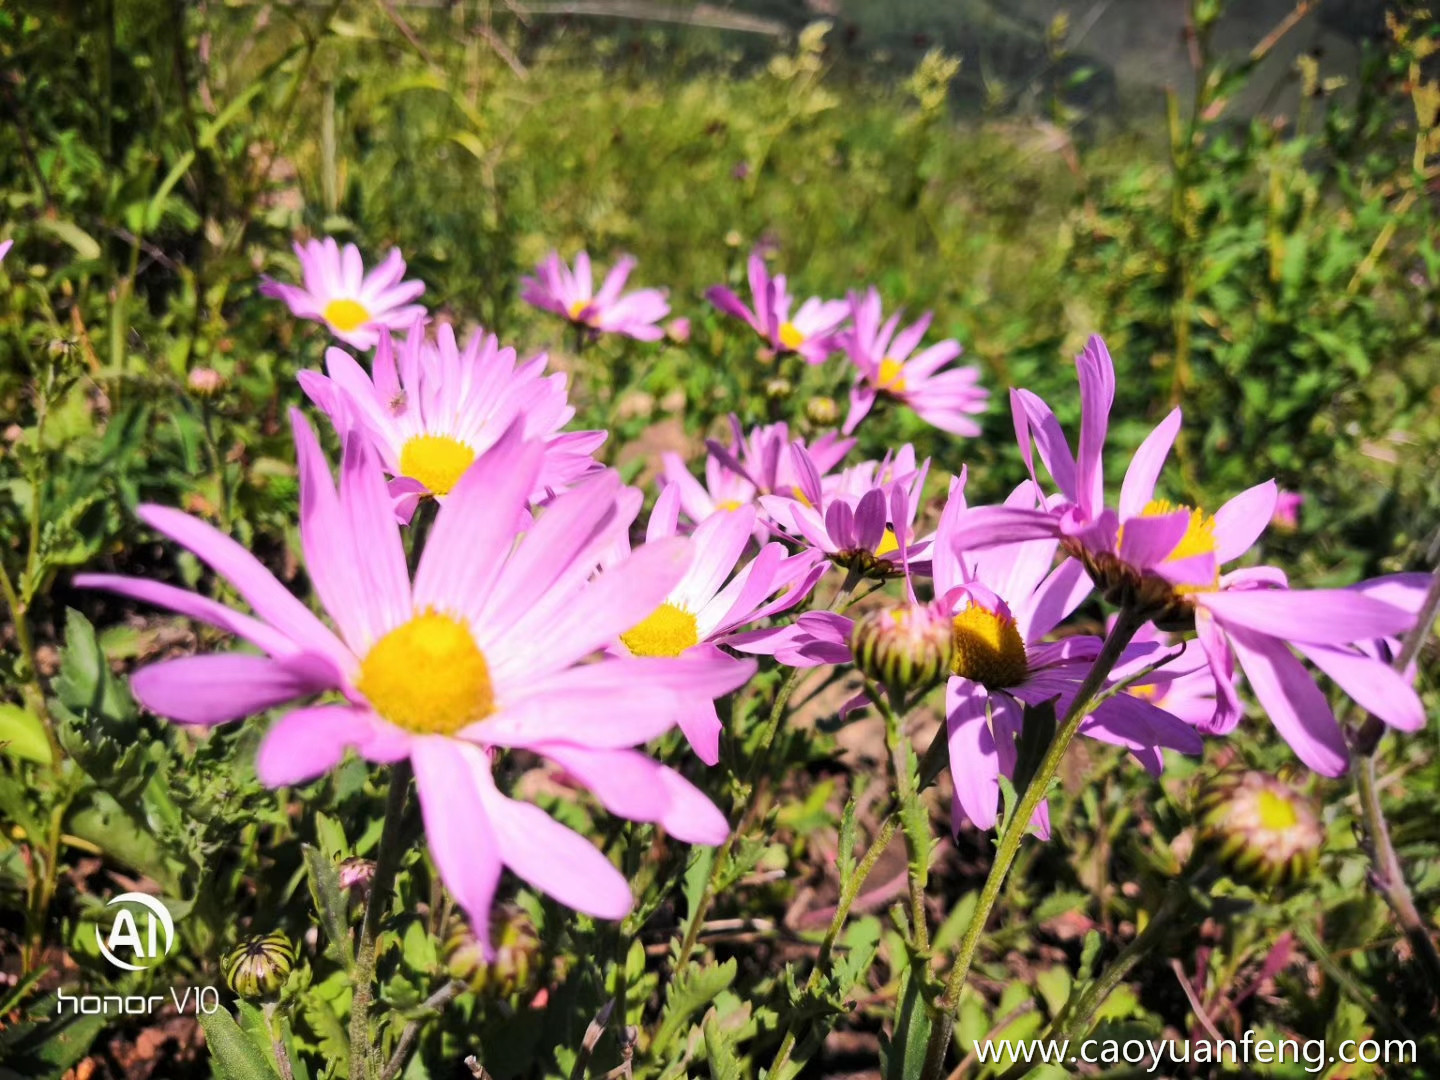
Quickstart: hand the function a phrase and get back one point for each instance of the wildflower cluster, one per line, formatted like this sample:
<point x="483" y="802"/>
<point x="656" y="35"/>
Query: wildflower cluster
<point x="541" y="616"/>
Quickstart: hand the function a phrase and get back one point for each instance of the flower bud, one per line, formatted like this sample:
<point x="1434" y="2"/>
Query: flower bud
<point x="778" y="389"/>
<point x="258" y="967"/>
<point x="1264" y="832"/>
<point x="906" y="648"/>
<point x="822" y="411"/>
<point x="516" y="946"/>
<point x="355" y="873"/>
<point x="205" y="382"/>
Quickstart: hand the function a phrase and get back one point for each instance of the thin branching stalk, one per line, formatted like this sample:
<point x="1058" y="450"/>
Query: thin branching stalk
<point x="1127" y="623"/>
<point x="832" y="932"/>
<point x="1387" y="873"/>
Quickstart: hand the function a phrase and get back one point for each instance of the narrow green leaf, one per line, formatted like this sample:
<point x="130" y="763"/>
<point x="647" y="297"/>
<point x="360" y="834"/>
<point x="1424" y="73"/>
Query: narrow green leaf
<point x="22" y="735"/>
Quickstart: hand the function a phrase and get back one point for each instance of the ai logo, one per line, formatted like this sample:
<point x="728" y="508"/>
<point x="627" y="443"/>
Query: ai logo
<point x="125" y="934"/>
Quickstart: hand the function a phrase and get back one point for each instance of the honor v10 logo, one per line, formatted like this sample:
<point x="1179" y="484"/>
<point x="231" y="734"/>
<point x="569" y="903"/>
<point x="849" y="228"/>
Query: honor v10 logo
<point x="137" y="945"/>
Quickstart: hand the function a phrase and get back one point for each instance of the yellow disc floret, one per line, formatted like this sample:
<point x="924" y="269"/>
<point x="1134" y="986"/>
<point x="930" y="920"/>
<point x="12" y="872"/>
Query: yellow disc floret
<point x="888" y="543"/>
<point x="1276" y="812"/>
<point x="428" y="676"/>
<point x="790" y="336"/>
<point x="576" y="308"/>
<point x="988" y="649"/>
<point x="666" y="631"/>
<point x="891" y="376"/>
<point x="437" y="461"/>
<point x="346" y="315"/>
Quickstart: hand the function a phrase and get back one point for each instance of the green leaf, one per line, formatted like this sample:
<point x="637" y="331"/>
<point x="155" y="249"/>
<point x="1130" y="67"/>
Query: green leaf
<point x="85" y="245"/>
<point x="232" y="1053"/>
<point x="692" y="990"/>
<point x="720" y="1051"/>
<point x="330" y="903"/>
<point x="22" y="735"/>
<point x="905" y="1055"/>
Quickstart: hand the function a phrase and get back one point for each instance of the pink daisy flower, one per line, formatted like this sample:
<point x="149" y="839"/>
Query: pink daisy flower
<point x="1184" y="686"/>
<point x="610" y="311"/>
<point x="490" y="647"/>
<point x="752" y="465"/>
<point x="1168" y="559"/>
<point x="703" y="610"/>
<point x="433" y="409"/>
<point x="1287" y="510"/>
<point x="886" y="366"/>
<point x="355" y="305"/>
<point x="811" y="332"/>
<point x="854" y="526"/>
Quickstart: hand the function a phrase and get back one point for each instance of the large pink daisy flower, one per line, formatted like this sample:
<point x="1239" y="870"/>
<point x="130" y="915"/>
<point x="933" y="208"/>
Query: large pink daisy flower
<point x="492" y="646"/>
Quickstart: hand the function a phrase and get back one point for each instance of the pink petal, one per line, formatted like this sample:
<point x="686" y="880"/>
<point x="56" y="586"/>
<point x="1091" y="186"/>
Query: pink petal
<point x="1311" y="616"/>
<point x="192" y="606"/>
<point x="632" y="786"/>
<point x="307" y="743"/>
<point x="449" y="778"/>
<point x="1293" y="702"/>
<point x="1139" y="486"/>
<point x="217" y="688"/>
<point x="1373" y="685"/>
<point x="974" y="761"/>
<point x="1239" y="523"/>
<point x="1097" y="394"/>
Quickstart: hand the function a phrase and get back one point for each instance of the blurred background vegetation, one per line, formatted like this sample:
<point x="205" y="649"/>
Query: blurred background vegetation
<point x="1241" y="198"/>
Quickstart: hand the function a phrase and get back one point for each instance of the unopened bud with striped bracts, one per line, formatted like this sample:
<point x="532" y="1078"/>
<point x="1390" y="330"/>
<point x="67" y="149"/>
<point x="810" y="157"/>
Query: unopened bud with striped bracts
<point x="905" y="647"/>
<point x="1262" y="831"/>
<point x="516" y="946"/>
<point x="257" y="968"/>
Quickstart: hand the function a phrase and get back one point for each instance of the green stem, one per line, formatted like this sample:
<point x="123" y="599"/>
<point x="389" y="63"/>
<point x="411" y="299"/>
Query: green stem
<point x="1387" y="872"/>
<point x="362" y="1060"/>
<point x="832" y="933"/>
<point x="1127" y="623"/>
<point x="760" y="757"/>
<point x="915" y="820"/>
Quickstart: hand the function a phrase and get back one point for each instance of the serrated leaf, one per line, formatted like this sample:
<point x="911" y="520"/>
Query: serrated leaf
<point x="22" y="735"/>
<point x="334" y="1042"/>
<point x="330" y="903"/>
<point x="845" y="861"/>
<point x="720" y="1051"/>
<point x="693" y="989"/>
<point x="232" y="1054"/>
<point x="418" y="947"/>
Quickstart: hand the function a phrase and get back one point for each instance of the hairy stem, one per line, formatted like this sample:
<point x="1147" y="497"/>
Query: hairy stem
<point x="1128" y="622"/>
<point x="362" y="1061"/>
<point x="837" y="923"/>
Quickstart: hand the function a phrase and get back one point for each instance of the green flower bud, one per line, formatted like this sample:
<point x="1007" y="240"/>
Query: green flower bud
<point x="822" y="411"/>
<point x="778" y="389"/>
<point x="906" y="648"/>
<point x="516" y="947"/>
<point x="258" y="967"/>
<point x="1264" y="832"/>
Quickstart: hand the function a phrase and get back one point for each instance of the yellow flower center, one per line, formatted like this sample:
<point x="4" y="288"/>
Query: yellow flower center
<point x="988" y="649"/>
<point x="891" y="376"/>
<point x="437" y="461"/>
<point x="729" y="504"/>
<point x="888" y="543"/>
<point x="1276" y="812"/>
<point x="576" y="308"/>
<point x="791" y="337"/>
<point x="1146" y="692"/>
<point x="428" y="676"/>
<point x="666" y="631"/>
<point x="346" y="315"/>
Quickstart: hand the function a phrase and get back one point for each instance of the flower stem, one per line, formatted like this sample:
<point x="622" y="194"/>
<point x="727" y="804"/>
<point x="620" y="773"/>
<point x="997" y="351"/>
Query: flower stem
<point x="1387" y="874"/>
<point x="747" y="786"/>
<point x="1126" y="624"/>
<point x="915" y="820"/>
<point x="832" y="933"/>
<point x="363" y="1063"/>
